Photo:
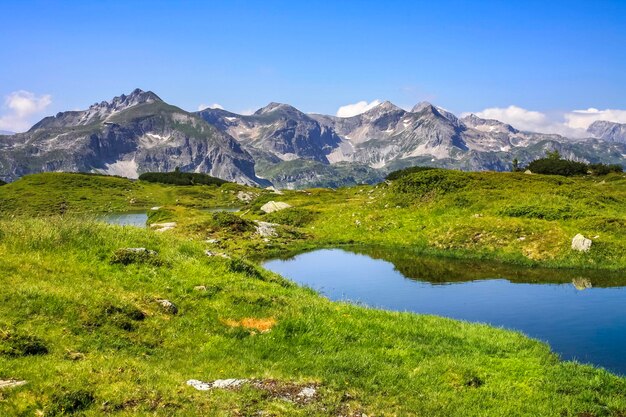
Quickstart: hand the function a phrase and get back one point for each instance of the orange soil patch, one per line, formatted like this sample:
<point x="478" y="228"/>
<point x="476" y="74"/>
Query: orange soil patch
<point x="262" y="325"/>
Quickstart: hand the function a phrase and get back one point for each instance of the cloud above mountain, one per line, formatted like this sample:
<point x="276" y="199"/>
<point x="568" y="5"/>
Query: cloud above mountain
<point x="350" y="110"/>
<point x="20" y="108"/>
<point x="210" y="106"/>
<point x="571" y="124"/>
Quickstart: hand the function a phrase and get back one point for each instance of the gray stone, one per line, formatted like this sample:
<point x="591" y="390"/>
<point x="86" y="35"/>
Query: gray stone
<point x="581" y="243"/>
<point x="168" y="306"/>
<point x="265" y="229"/>
<point x="10" y="383"/>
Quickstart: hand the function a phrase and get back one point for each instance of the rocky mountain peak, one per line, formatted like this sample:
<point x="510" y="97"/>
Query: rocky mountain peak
<point x="422" y="105"/>
<point x="487" y="125"/>
<point x="273" y="106"/>
<point x="611" y="131"/>
<point x="382" y="109"/>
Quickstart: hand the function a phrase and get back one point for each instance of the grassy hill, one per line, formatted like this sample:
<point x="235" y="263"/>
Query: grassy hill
<point x="89" y="335"/>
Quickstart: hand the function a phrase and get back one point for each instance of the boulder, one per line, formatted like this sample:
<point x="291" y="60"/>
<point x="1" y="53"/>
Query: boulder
<point x="272" y="206"/>
<point x="581" y="243"/>
<point x="265" y="229"/>
<point x="126" y="256"/>
<point x="162" y="227"/>
<point x="245" y="196"/>
<point x="168" y="306"/>
<point x="581" y="284"/>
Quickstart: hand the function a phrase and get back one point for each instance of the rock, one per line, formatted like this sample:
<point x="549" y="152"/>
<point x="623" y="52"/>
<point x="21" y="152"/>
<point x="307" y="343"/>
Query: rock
<point x="244" y="196"/>
<point x="581" y="283"/>
<point x="272" y="206"/>
<point x="200" y="288"/>
<point x="477" y="215"/>
<point x="10" y="383"/>
<point x="265" y="229"/>
<point x="521" y="238"/>
<point x="307" y="393"/>
<point x="220" y="254"/>
<point x="581" y="243"/>
<point x="528" y="172"/>
<point x="162" y="227"/>
<point x="218" y="383"/>
<point x="199" y="385"/>
<point x="155" y="208"/>
<point x="168" y="306"/>
<point x="228" y="383"/>
<point x="357" y="223"/>
<point x="274" y="190"/>
<point x="212" y="241"/>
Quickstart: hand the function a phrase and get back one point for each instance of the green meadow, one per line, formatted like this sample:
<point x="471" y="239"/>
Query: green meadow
<point x="84" y="325"/>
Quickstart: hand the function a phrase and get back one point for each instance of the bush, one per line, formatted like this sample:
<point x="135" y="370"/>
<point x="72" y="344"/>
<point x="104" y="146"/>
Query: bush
<point x="406" y="171"/>
<point x="181" y="178"/>
<point x="438" y="181"/>
<point x="127" y="256"/>
<point x="552" y="166"/>
<point x="537" y="212"/>
<point x="296" y="217"/>
<point x="231" y="222"/>
<point x="604" y="169"/>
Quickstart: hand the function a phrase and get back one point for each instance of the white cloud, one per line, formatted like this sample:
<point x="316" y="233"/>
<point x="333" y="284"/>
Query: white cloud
<point x="210" y="106"/>
<point x="22" y="107"/>
<point x="581" y="119"/>
<point x="350" y="110"/>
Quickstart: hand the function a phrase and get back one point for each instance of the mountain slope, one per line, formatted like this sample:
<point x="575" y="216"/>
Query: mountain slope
<point x="610" y="131"/>
<point x="278" y="129"/>
<point x="126" y="136"/>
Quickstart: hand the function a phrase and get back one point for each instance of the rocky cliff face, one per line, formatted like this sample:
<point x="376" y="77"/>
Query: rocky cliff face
<point x="126" y="136"/>
<point x="610" y="131"/>
<point x="279" y="130"/>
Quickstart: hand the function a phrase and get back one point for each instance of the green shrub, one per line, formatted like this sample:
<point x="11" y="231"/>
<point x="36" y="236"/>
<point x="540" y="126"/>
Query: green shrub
<point x="181" y="178"/>
<point x="127" y="256"/>
<point x="537" y="212"/>
<point x="231" y="222"/>
<point x="437" y="181"/>
<point x="394" y="175"/>
<point x="295" y="216"/>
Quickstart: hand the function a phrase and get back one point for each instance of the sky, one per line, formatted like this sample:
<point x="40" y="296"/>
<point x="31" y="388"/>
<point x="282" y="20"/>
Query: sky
<point x="540" y="65"/>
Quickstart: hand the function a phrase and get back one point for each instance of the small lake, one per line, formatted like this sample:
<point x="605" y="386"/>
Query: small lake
<point x="137" y="219"/>
<point x="140" y="218"/>
<point x="580" y="314"/>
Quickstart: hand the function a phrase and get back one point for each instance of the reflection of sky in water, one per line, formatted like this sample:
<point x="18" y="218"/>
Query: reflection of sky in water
<point x="125" y="219"/>
<point x="588" y="325"/>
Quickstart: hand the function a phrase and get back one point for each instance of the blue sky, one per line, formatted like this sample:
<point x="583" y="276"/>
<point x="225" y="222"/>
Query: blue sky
<point x="550" y="57"/>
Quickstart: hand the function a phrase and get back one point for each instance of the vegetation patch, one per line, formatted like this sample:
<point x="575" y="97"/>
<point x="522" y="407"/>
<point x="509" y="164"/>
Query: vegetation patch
<point x="259" y="324"/>
<point x="68" y="401"/>
<point x="294" y="216"/>
<point x="127" y="256"/>
<point x="17" y="344"/>
<point x="181" y="178"/>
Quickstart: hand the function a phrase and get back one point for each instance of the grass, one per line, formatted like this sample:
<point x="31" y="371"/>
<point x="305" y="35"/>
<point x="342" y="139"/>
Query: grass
<point x="106" y="346"/>
<point x="84" y="322"/>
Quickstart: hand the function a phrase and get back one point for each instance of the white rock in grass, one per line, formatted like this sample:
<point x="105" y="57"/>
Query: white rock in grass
<point x="199" y="385"/>
<point x="10" y="383"/>
<point x="307" y="393"/>
<point x="272" y="206"/>
<point x="581" y="243"/>
<point x="218" y="383"/>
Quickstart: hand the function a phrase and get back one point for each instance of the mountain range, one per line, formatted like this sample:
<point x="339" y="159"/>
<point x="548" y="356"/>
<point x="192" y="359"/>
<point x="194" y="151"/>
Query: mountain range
<point x="281" y="145"/>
